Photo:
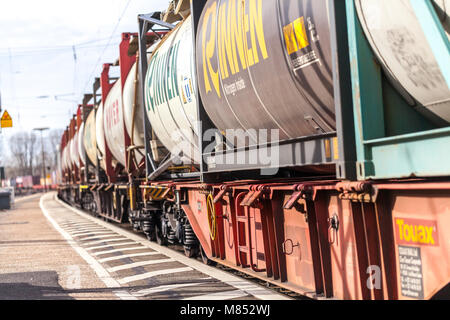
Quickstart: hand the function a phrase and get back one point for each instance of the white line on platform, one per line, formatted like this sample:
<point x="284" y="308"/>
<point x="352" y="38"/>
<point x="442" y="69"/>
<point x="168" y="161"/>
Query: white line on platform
<point x="131" y="255"/>
<point x="77" y="223"/>
<point x="146" y="292"/>
<point x="83" y="233"/>
<point x="153" y="274"/>
<point x="138" y="264"/>
<point x="77" y="229"/>
<point x="69" y="225"/>
<point x="118" y="250"/>
<point x="115" y="239"/>
<point x="63" y="221"/>
<point x="77" y="232"/>
<point x="73" y="225"/>
<point x="94" y="264"/>
<point x="99" y="236"/>
<point x="255" y="290"/>
<point x="111" y="245"/>
<point x="92" y="234"/>
<point x="224" y="295"/>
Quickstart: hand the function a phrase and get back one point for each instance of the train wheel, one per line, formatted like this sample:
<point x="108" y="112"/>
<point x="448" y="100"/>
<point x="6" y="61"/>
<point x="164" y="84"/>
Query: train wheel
<point x="160" y="238"/>
<point x="190" y="252"/>
<point x="205" y="258"/>
<point x="151" y="235"/>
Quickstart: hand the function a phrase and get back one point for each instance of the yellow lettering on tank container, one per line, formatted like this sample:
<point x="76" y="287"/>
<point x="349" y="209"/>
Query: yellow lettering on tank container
<point x="257" y="30"/>
<point x="250" y="59"/>
<point x="234" y="24"/>
<point x="227" y="42"/>
<point x="208" y="48"/>
<point x="225" y="47"/>
<point x="237" y="31"/>
<point x="230" y="38"/>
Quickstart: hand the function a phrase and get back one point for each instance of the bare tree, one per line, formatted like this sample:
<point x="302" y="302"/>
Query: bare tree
<point x="23" y="147"/>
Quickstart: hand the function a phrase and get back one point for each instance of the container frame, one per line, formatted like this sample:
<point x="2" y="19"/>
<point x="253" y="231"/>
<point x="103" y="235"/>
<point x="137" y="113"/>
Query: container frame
<point x="414" y="152"/>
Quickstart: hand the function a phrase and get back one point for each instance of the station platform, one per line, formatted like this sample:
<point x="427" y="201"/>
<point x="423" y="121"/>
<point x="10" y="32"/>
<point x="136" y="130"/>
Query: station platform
<point x="49" y="250"/>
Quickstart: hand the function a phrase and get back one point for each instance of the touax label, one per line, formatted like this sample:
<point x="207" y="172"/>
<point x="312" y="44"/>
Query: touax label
<point x="418" y="232"/>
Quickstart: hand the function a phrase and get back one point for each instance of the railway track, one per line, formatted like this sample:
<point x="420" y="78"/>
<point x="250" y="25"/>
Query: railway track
<point x="139" y="269"/>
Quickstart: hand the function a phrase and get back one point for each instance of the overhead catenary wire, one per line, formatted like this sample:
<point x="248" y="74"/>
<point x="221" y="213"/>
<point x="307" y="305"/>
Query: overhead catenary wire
<point x="74" y="69"/>
<point x="48" y="49"/>
<point x="41" y="51"/>
<point x="77" y="50"/>
<point x="107" y="45"/>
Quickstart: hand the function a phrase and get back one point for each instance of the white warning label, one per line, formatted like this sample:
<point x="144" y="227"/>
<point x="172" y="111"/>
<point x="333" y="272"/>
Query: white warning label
<point x="411" y="276"/>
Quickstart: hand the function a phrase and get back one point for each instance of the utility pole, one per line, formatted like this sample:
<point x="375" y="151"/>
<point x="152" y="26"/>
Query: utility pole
<point x="43" y="156"/>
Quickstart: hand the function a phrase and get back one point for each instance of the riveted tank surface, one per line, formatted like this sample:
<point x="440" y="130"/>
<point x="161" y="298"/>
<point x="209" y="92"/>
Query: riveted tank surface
<point x="267" y="65"/>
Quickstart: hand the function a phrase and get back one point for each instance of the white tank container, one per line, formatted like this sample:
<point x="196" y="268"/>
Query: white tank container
<point x="74" y="155"/>
<point x="82" y="155"/>
<point x="68" y="157"/>
<point x="89" y="138"/>
<point x="65" y="156"/>
<point x="118" y="115"/>
<point x="69" y="154"/>
<point x="63" y="159"/>
<point x="113" y="125"/>
<point x="128" y="102"/>
<point x="100" y="135"/>
<point x="170" y="99"/>
<point x="398" y="41"/>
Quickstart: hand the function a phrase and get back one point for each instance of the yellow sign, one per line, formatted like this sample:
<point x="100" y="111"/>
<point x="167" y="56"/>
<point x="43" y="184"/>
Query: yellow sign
<point x="295" y="36"/>
<point x="6" y="120"/>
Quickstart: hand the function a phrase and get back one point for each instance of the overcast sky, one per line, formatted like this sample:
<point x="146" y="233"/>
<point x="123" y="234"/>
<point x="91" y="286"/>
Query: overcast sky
<point x="37" y="58"/>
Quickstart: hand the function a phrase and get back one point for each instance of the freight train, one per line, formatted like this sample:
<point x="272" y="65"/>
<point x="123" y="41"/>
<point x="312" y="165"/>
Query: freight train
<point x="304" y="143"/>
